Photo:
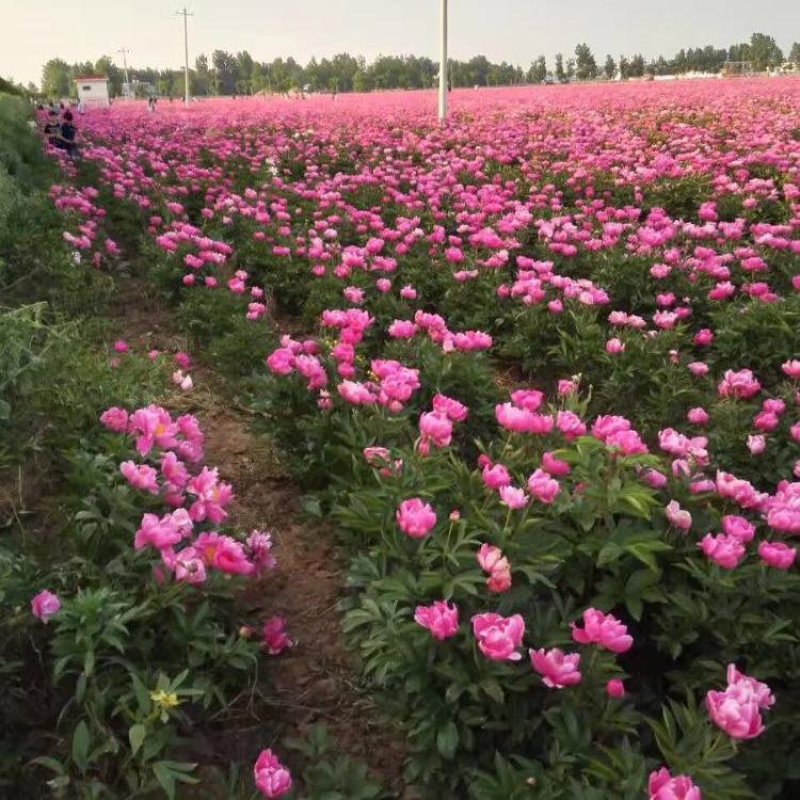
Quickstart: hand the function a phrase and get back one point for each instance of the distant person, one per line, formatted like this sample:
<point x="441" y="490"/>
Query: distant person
<point x="66" y="137"/>
<point x="51" y="125"/>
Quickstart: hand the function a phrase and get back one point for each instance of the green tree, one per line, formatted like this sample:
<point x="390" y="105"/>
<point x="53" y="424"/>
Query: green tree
<point x="201" y="83"/>
<point x="561" y="76"/>
<point x="794" y="53"/>
<point x="585" y="65"/>
<point x="624" y="68"/>
<point x="538" y="71"/>
<point x="764" y="52"/>
<point x="609" y="68"/>
<point x="56" y="79"/>
<point x="636" y="68"/>
<point x="225" y="73"/>
<point x="105" y="66"/>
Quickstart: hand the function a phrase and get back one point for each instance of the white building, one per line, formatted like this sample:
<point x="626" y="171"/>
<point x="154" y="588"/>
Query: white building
<point x="93" y="91"/>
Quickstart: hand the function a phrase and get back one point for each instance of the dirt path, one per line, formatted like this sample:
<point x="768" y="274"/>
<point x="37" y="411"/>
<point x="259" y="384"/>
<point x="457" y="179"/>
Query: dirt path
<point x="316" y="681"/>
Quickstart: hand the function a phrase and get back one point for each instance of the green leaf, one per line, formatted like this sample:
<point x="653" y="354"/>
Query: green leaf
<point x="80" y="745"/>
<point x="166" y="778"/>
<point x="49" y="763"/>
<point x="136" y="735"/>
<point x="447" y="740"/>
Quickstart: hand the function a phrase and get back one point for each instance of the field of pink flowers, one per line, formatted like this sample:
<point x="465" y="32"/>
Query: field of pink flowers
<point x="541" y="368"/>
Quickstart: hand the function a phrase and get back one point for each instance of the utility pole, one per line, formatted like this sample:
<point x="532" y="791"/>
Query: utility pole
<point x="185" y="14"/>
<point x="443" y="62"/>
<point x="125" y="52"/>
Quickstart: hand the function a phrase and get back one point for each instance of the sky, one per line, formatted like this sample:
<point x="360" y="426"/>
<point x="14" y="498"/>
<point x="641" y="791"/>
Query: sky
<point x="511" y="30"/>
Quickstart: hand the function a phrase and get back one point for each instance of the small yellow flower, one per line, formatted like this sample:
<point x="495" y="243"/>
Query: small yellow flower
<point x="165" y="700"/>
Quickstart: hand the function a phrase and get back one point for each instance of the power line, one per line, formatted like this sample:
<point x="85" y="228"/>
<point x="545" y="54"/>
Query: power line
<point x="185" y="14"/>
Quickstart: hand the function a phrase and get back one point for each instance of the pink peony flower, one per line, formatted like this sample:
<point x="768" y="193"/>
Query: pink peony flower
<point x="740" y="385"/>
<point x="756" y="444"/>
<point x="115" y="419"/>
<point x="452" y="409"/>
<point x="704" y="338"/>
<point x="555" y="466"/>
<point x="161" y="533"/>
<point x="678" y="517"/>
<point x="791" y="369"/>
<point x="495" y="476"/>
<point x="440" y="619"/>
<point x="543" y="487"/>
<point x="777" y="555"/>
<point x="570" y="425"/>
<point x="604" y="630"/>
<point x="45" y="605"/>
<point x="698" y="416"/>
<point x="662" y="786"/>
<point x="567" y="387"/>
<point x="212" y="496"/>
<point x="140" y="476"/>
<point x="615" y="689"/>
<point x="513" y="497"/>
<point x="499" y="637"/>
<point x="739" y="528"/>
<point x="727" y="551"/>
<point x="615" y="347"/>
<point x="275" y="637"/>
<point x="558" y="669"/>
<point x="416" y="518"/>
<point x="436" y="428"/>
<point x="529" y="399"/>
<point x="271" y="777"/>
<point x="737" y="710"/>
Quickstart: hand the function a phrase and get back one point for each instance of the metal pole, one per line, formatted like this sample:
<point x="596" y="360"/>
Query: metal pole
<point x="443" y="61"/>
<point x="127" y="78"/>
<point x="185" y="14"/>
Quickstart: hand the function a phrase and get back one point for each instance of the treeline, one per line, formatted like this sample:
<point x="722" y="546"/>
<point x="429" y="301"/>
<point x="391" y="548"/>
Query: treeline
<point x="239" y="73"/>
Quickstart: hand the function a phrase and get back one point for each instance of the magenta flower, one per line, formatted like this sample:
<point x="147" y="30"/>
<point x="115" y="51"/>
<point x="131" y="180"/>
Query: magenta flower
<point x="737" y="710"/>
<point x="499" y="638"/>
<point x="440" y="619"/>
<point x="271" y="777"/>
<point x="698" y="416"/>
<point x="276" y="639"/>
<point x="416" y="518"/>
<point x="140" y="476"/>
<point x="212" y="496"/>
<point x="513" y="497"/>
<point x="435" y="427"/>
<point x="662" y="786"/>
<point x="615" y="689"/>
<point x="224" y="553"/>
<point x="727" y="551"/>
<point x="777" y="554"/>
<point x="603" y="630"/>
<point x="45" y="605"/>
<point x="496" y="476"/>
<point x="678" y="517"/>
<point x="739" y="528"/>
<point x="495" y="564"/>
<point x="115" y="419"/>
<point x="741" y="385"/>
<point x="558" y="669"/>
<point x="791" y="369"/>
<point x="543" y="487"/>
